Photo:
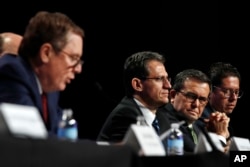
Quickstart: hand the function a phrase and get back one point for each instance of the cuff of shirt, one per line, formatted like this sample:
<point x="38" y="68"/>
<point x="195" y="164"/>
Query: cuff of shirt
<point x="222" y="139"/>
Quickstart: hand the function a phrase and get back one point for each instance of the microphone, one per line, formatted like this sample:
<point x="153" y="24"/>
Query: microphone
<point x="214" y="148"/>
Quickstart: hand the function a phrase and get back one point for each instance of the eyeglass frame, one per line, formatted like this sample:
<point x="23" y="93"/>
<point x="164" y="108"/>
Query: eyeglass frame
<point x="78" y="61"/>
<point x="192" y="97"/>
<point x="158" y="79"/>
<point x="230" y="92"/>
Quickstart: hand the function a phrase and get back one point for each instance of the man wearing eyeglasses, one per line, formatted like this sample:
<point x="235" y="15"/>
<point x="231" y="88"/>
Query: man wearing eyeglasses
<point x="189" y="96"/>
<point x="147" y="86"/>
<point x="225" y="92"/>
<point x="49" y="58"/>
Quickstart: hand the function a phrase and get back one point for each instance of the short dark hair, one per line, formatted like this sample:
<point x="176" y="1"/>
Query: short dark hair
<point x="220" y="70"/>
<point x="136" y="66"/>
<point x="46" y="27"/>
<point x="195" y="74"/>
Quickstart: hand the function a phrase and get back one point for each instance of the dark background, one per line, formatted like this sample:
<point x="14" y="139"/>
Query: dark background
<point x="189" y="34"/>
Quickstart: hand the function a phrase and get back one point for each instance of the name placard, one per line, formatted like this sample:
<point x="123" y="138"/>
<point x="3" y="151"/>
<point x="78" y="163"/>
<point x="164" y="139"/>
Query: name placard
<point x="22" y="121"/>
<point x="144" y="140"/>
<point x="239" y="144"/>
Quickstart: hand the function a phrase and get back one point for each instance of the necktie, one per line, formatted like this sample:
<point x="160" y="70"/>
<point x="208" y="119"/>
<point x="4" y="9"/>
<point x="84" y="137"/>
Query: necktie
<point x="193" y="133"/>
<point x="45" y="107"/>
<point x="155" y="125"/>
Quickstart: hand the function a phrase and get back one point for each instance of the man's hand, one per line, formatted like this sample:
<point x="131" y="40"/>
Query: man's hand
<point x="218" y="123"/>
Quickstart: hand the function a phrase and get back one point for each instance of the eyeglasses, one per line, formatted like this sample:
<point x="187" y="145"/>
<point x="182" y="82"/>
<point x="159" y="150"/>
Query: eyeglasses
<point x="229" y="92"/>
<point x="192" y="97"/>
<point x="74" y="59"/>
<point x="159" y="79"/>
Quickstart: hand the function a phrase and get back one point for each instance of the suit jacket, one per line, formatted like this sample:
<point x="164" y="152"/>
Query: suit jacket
<point x="174" y="117"/>
<point x="18" y="85"/>
<point x="206" y="113"/>
<point x="119" y="121"/>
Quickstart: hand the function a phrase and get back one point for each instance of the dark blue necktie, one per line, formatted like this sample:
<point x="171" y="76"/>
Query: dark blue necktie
<point x="155" y="124"/>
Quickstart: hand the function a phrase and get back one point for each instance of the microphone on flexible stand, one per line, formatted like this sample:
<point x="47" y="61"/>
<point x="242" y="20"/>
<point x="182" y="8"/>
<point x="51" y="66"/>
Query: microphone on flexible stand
<point x="203" y="130"/>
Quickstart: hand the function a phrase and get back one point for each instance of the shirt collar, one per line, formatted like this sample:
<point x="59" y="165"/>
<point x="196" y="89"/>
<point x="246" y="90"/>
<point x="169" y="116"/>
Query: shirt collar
<point x="149" y="116"/>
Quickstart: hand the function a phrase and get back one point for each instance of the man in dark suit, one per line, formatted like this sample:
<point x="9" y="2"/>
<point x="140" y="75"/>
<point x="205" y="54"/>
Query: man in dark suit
<point x="189" y="97"/>
<point x="147" y="87"/>
<point x="225" y="92"/>
<point x="49" y="57"/>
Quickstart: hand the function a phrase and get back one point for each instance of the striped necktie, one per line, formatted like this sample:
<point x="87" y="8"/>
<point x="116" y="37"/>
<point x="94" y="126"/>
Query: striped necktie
<point x="195" y="139"/>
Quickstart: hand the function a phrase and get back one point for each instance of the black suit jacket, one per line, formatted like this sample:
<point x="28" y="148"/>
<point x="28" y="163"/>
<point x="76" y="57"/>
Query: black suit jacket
<point x="173" y="116"/>
<point x="206" y="113"/>
<point x="119" y="121"/>
<point x="18" y="85"/>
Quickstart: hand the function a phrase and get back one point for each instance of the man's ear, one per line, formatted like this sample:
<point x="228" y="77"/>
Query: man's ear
<point x="136" y="84"/>
<point x="172" y="93"/>
<point x="46" y="51"/>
